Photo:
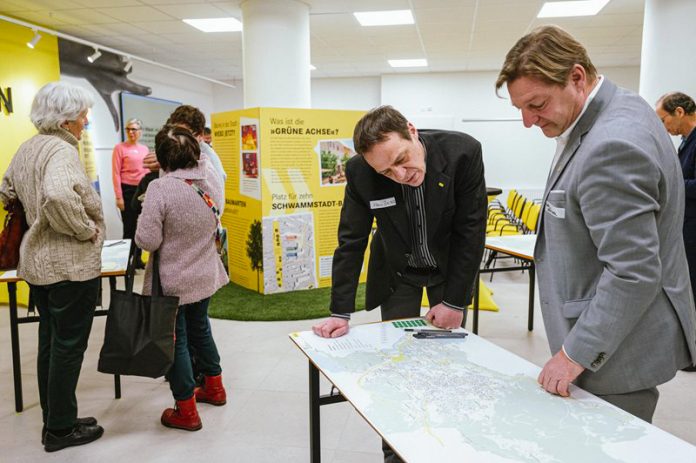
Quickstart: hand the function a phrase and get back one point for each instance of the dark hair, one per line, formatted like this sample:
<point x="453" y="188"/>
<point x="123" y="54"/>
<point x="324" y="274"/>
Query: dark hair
<point x="376" y="125"/>
<point x="192" y="117"/>
<point x="207" y="131"/>
<point x="548" y="53"/>
<point x="176" y="148"/>
<point x="671" y="101"/>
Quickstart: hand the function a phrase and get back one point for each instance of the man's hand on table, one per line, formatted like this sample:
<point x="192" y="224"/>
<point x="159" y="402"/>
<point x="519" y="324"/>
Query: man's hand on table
<point x="558" y="373"/>
<point x="445" y="317"/>
<point x="332" y="327"/>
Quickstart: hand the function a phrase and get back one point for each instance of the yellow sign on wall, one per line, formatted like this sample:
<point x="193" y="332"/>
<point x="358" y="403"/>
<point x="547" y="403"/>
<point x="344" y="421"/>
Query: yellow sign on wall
<point x="24" y="71"/>
<point x="284" y="193"/>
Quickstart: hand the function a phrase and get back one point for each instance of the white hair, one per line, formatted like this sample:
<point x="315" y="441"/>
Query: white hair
<point x="134" y="120"/>
<point x="58" y="102"/>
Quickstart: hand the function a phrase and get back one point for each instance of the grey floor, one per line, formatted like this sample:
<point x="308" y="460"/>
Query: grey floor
<point x="266" y="417"/>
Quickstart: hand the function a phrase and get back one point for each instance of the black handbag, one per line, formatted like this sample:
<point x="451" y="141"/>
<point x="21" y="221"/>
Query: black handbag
<point x="139" y="334"/>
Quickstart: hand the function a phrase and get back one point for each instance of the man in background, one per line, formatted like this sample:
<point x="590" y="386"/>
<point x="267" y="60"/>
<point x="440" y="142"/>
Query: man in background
<point x="207" y="136"/>
<point x="677" y="111"/>
<point x="611" y="266"/>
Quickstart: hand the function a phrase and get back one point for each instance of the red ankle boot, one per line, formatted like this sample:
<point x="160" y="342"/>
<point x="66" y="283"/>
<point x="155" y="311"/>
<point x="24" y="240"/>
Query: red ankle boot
<point x="183" y="416"/>
<point x="212" y="392"/>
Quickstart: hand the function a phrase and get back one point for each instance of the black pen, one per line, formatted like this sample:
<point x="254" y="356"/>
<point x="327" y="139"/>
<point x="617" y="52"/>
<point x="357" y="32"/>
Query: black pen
<point x="425" y="330"/>
<point x="440" y="336"/>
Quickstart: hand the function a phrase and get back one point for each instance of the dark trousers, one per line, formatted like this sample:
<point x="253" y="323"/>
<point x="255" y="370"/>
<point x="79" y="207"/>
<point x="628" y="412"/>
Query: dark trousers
<point x="405" y="302"/>
<point x="129" y="216"/>
<point x="66" y="311"/>
<point x="192" y="326"/>
<point x="690" y="246"/>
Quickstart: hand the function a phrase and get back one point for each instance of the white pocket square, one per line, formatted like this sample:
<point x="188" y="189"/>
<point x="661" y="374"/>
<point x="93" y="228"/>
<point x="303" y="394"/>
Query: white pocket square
<point x="557" y="212"/>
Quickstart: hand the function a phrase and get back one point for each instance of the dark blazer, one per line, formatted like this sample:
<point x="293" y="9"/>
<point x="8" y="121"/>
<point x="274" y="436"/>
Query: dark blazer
<point x="455" y="202"/>
<point x="687" y="159"/>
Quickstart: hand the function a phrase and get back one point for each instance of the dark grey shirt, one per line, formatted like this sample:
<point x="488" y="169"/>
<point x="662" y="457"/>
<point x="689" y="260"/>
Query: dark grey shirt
<point x="415" y="207"/>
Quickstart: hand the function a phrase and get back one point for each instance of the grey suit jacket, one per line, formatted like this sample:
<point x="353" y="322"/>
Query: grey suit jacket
<point x="613" y="277"/>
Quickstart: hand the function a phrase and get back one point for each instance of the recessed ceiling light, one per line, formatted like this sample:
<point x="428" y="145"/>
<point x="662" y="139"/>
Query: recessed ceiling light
<point x="215" y="24"/>
<point x="568" y="9"/>
<point x="408" y="63"/>
<point x="312" y="67"/>
<point x="384" y="18"/>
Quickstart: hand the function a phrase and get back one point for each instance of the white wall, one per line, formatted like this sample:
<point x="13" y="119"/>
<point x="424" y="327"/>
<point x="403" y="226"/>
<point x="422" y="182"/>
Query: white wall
<point x="227" y="99"/>
<point x="165" y="84"/>
<point x="514" y="157"/>
<point x="358" y="93"/>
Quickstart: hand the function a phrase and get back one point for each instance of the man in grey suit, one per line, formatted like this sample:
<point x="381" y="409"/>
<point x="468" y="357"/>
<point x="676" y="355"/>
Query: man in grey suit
<point x="612" y="271"/>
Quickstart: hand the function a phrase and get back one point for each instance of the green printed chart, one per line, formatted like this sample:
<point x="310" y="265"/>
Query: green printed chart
<point x="409" y="323"/>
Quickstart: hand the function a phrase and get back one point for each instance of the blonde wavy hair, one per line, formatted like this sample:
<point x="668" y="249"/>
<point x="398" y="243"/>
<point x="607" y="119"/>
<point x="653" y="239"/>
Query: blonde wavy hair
<point x="548" y="54"/>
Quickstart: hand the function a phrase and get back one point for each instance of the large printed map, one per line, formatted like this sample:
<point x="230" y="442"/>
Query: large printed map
<point x="448" y="400"/>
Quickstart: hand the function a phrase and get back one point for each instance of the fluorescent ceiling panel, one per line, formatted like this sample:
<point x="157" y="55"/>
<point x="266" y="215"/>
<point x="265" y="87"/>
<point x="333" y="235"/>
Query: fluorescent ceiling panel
<point x="408" y="63"/>
<point x="568" y="9"/>
<point x="384" y="18"/>
<point x="215" y="24"/>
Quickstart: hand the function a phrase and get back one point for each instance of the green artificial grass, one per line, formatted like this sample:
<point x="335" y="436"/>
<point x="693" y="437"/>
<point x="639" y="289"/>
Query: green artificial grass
<point x="233" y="302"/>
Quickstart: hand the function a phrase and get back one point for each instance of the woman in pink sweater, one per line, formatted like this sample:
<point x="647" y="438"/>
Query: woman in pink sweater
<point x="179" y="221"/>
<point x="126" y="171"/>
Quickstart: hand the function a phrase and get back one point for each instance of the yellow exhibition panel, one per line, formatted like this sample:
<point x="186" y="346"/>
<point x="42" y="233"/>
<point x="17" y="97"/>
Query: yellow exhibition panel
<point x="23" y="71"/>
<point x="284" y="193"/>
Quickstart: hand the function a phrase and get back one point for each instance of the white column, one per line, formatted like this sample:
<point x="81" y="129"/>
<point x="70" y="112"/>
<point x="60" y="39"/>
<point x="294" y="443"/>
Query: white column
<point x="668" y="59"/>
<point x="276" y="53"/>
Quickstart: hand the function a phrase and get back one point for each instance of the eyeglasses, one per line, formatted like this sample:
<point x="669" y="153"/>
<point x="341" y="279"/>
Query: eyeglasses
<point x="130" y="129"/>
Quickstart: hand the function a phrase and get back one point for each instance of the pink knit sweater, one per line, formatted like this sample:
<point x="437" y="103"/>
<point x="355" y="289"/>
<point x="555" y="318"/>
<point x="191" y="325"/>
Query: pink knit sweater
<point x="127" y="165"/>
<point x="177" y="222"/>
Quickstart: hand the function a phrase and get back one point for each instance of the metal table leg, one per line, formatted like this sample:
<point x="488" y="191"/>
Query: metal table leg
<point x="14" y="335"/>
<point x="530" y="321"/>
<point x="117" y="378"/>
<point x="314" y="416"/>
<point x="476" y="305"/>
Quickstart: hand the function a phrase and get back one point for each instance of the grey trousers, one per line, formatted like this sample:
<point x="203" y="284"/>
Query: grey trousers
<point x="638" y="403"/>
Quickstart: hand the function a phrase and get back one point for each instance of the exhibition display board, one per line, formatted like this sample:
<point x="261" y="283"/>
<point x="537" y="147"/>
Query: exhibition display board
<point x="285" y="185"/>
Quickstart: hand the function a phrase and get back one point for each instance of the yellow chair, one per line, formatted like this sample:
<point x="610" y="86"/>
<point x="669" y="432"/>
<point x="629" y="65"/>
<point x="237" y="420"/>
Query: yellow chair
<point x="486" y="301"/>
<point x="533" y="218"/>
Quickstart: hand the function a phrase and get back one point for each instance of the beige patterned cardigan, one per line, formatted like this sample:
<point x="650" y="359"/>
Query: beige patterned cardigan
<point x="62" y="208"/>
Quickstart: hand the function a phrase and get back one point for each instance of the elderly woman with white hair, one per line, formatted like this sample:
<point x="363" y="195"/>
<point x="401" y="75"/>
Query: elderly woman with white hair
<point x="60" y="254"/>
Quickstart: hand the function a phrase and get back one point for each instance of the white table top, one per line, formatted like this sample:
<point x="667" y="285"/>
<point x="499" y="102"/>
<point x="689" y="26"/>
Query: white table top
<point x="514" y="245"/>
<point x="455" y="400"/>
<point x="114" y="257"/>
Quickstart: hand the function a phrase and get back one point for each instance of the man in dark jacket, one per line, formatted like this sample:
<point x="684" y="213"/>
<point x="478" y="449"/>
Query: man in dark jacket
<point x="677" y="111"/>
<point x="427" y="192"/>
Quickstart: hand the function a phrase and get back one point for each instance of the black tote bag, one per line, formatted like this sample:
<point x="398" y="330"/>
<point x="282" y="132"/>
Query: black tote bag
<point x="139" y="334"/>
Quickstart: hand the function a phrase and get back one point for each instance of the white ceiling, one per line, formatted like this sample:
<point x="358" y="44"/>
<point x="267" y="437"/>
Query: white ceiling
<point x="454" y="35"/>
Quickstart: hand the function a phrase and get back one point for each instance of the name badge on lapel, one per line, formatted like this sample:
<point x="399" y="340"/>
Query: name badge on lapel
<point x="382" y="203"/>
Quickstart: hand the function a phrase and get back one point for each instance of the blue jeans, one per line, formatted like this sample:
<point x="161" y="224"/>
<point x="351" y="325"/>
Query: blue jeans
<point x="192" y="326"/>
